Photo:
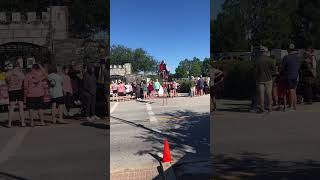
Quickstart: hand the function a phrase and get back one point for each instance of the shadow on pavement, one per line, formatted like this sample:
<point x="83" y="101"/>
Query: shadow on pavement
<point x="188" y="134"/>
<point x="96" y="125"/>
<point x="253" y="166"/>
<point x="6" y="176"/>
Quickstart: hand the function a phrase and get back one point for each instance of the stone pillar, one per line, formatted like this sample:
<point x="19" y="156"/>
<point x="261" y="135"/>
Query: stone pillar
<point x="3" y="17"/>
<point x="59" y="18"/>
<point x="31" y="17"/>
<point x="128" y="68"/>
<point x="16" y="17"/>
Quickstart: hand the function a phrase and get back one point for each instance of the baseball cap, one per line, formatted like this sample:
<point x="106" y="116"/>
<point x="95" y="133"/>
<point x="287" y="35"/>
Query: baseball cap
<point x="263" y="49"/>
<point x="291" y="46"/>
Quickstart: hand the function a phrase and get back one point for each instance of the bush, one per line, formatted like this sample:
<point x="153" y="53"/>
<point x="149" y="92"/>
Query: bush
<point x="239" y="82"/>
<point x="184" y="86"/>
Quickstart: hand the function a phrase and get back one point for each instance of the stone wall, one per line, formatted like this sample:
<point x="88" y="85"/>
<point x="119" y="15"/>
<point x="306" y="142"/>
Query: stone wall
<point x="32" y="27"/>
<point x="120" y="70"/>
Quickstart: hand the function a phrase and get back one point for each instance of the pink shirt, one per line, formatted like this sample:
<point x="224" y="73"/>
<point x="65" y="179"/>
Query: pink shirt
<point x="33" y="85"/>
<point x="114" y="87"/>
<point x="121" y="88"/>
<point x="67" y="88"/>
<point x="14" y="79"/>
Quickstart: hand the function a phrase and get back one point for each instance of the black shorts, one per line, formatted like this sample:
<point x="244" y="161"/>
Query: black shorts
<point x="291" y="83"/>
<point x="16" y="95"/>
<point x="115" y="91"/>
<point x="58" y="100"/>
<point x="121" y="94"/>
<point x="35" y="103"/>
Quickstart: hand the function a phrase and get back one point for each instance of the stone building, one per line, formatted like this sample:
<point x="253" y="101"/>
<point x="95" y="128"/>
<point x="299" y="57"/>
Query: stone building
<point x="42" y="35"/>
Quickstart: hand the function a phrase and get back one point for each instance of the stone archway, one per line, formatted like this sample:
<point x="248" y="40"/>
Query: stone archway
<point x="14" y="50"/>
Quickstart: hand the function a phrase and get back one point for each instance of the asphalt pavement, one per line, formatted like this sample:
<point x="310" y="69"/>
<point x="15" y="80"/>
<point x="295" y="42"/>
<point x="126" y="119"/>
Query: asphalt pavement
<point x="138" y="129"/>
<point x="277" y="145"/>
<point x="77" y="150"/>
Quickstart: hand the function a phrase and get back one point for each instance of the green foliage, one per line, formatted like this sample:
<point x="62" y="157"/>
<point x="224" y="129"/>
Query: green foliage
<point x="239" y="79"/>
<point x="184" y="86"/>
<point x="139" y="58"/>
<point x="194" y="67"/>
<point x="273" y="23"/>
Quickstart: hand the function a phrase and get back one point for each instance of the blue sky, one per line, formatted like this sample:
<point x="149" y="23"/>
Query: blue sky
<point x="168" y="29"/>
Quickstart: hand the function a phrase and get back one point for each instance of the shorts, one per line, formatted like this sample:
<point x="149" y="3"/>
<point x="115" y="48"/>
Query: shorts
<point x="121" y="94"/>
<point x="16" y="95"/>
<point x="114" y="91"/>
<point x="35" y="103"/>
<point x="291" y="83"/>
<point x="265" y="88"/>
<point x="58" y="100"/>
<point x="212" y="91"/>
<point x="157" y="90"/>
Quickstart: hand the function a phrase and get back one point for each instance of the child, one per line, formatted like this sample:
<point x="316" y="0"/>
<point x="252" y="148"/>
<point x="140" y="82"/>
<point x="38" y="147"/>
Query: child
<point x="56" y="93"/>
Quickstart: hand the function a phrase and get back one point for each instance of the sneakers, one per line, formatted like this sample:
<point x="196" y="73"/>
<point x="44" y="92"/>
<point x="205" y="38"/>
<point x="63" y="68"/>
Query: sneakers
<point x="95" y="117"/>
<point x="89" y="119"/>
<point x="70" y="114"/>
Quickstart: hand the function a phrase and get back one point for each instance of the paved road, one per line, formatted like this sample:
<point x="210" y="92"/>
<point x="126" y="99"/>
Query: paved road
<point x="72" y="151"/>
<point x="269" y="146"/>
<point x="139" y="128"/>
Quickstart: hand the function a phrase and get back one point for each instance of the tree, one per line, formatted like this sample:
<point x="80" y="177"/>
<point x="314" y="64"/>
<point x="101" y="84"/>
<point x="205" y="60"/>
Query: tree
<point x="195" y="68"/>
<point x="205" y="67"/>
<point x="139" y="58"/>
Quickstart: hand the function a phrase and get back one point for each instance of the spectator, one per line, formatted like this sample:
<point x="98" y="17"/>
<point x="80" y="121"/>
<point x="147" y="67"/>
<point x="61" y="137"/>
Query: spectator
<point x="290" y="67"/>
<point x="34" y="91"/>
<point x="14" y="79"/>
<point x="157" y="86"/>
<point x="309" y="74"/>
<point x="67" y="90"/>
<point x="114" y="87"/>
<point x="56" y="93"/>
<point x="121" y="91"/>
<point x="89" y="94"/>
<point x="264" y="67"/>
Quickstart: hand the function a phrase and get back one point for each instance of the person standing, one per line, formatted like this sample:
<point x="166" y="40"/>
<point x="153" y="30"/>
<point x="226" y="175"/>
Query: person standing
<point x="216" y="78"/>
<point x="290" y="68"/>
<point x="114" y="87"/>
<point x="89" y="94"/>
<point x="201" y="85"/>
<point x="121" y="91"/>
<point x="144" y="89"/>
<point x="264" y="69"/>
<point x="14" y="79"/>
<point x="157" y="86"/>
<point x="150" y="89"/>
<point x="67" y="90"/>
<point x="56" y="93"/>
<point x="192" y="86"/>
<point x="138" y="90"/>
<point x="34" y="91"/>
<point x="309" y="74"/>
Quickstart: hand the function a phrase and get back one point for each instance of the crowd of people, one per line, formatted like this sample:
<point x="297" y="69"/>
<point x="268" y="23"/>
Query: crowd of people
<point x="284" y="84"/>
<point x="199" y="86"/>
<point x="121" y="91"/>
<point x="38" y="88"/>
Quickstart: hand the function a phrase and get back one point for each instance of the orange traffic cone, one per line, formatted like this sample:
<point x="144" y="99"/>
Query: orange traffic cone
<point x="166" y="152"/>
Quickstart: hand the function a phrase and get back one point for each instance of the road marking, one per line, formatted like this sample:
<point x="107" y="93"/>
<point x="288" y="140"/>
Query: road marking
<point x="114" y="107"/>
<point x="151" y="114"/>
<point x="13" y="144"/>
